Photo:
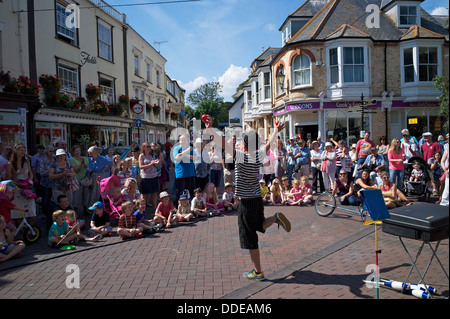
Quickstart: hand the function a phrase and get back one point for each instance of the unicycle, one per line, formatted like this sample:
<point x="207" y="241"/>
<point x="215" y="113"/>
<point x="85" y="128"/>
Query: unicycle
<point x="326" y="204"/>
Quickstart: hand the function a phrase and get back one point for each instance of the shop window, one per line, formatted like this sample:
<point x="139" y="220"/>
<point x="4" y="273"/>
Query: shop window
<point x="354" y="126"/>
<point x="345" y="126"/>
<point x="336" y="125"/>
<point x="417" y="122"/>
<point x="48" y="134"/>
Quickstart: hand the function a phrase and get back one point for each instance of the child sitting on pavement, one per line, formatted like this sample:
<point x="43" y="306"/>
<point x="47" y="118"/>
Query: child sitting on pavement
<point x="198" y="204"/>
<point x="276" y="194"/>
<point x="212" y="200"/>
<point x="59" y="229"/>
<point x="295" y="197"/>
<point x="71" y="219"/>
<point x="8" y="247"/>
<point x="230" y="201"/>
<point x="100" y="224"/>
<point x="165" y="212"/>
<point x="306" y="187"/>
<point x="265" y="192"/>
<point x="184" y="209"/>
<point x="128" y="227"/>
<point x="139" y="212"/>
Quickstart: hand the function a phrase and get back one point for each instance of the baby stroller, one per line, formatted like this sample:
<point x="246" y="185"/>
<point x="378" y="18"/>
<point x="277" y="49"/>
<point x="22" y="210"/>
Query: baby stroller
<point x="417" y="189"/>
<point x="106" y="187"/>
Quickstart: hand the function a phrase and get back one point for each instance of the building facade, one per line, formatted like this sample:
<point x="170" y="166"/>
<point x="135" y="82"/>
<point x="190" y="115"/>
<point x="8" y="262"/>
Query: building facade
<point x="331" y="60"/>
<point x="336" y="53"/>
<point x="104" y="67"/>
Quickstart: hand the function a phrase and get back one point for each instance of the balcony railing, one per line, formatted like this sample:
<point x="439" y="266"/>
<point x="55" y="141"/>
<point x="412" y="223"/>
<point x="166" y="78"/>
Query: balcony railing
<point x="119" y="16"/>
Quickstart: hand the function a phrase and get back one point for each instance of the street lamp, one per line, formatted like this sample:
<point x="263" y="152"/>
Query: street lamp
<point x="281" y="77"/>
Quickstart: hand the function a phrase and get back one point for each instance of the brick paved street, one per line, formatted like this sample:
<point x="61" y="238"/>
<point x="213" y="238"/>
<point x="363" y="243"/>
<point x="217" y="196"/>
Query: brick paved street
<point x="320" y="258"/>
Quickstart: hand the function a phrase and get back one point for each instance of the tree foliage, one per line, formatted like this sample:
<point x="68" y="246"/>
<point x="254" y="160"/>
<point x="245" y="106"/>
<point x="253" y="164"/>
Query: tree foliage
<point x="441" y="83"/>
<point x="207" y="100"/>
<point x="206" y="92"/>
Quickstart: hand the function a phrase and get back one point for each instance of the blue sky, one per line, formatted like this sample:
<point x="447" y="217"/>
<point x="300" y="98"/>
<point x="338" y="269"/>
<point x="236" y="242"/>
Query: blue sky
<point x="215" y="40"/>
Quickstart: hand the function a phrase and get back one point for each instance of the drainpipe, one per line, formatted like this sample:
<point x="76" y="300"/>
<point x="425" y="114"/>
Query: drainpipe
<point x="385" y="89"/>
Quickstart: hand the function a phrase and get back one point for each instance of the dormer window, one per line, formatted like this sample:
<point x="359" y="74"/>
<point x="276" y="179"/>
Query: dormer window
<point x="407" y="15"/>
<point x="403" y="13"/>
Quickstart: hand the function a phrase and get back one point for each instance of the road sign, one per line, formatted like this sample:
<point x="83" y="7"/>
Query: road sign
<point x="138" y="123"/>
<point x="137" y="108"/>
<point x="183" y="113"/>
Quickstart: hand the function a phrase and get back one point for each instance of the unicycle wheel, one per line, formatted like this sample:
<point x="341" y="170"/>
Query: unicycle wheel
<point x="325" y="204"/>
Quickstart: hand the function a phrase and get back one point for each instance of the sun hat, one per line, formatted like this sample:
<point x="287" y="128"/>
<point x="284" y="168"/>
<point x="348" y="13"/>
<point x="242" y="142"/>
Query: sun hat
<point x="328" y="144"/>
<point x="60" y="151"/>
<point x="163" y="194"/>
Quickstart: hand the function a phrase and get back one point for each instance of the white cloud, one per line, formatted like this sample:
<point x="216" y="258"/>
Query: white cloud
<point x="193" y="85"/>
<point x="439" y="11"/>
<point x="231" y="79"/>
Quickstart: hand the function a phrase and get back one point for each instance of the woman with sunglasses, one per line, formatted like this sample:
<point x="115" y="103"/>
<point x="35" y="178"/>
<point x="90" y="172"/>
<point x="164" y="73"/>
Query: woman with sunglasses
<point x="393" y="198"/>
<point x="343" y="189"/>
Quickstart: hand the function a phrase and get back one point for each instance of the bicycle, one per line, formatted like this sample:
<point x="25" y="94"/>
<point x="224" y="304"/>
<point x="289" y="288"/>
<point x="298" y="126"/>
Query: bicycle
<point x="31" y="234"/>
<point x="326" y="204"/>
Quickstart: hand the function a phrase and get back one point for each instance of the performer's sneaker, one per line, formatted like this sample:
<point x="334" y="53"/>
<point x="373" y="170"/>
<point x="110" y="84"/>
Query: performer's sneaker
<point x="253" y="275"/>
<point x="282" y="221"/>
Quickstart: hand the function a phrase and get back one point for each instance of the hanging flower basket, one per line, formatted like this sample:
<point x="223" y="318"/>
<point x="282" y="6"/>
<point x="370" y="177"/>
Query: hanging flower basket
<point x="50" y="83"/>
<point x="79" y="104"/>
<point x="116" y="109"/>
<point x="93" y="92"/>
<point x="22" y="85"/>
<point x="156" y="109"/>
<point x="124" y="100"/>
<point x="174" y="116"/>
<point x="99" y="107"/>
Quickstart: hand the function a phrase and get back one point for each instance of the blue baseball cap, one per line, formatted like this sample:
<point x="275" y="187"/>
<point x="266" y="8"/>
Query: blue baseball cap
<point x="97" y="205"/>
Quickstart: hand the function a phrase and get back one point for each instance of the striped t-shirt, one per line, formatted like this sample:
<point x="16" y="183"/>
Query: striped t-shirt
<point x="247" y="173"/>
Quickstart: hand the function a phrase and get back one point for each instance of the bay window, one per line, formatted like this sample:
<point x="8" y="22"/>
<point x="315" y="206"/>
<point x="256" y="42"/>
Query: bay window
<point x="348" y="68"/>
<point x="353" y="64"/>
<point x="420" y="64"/>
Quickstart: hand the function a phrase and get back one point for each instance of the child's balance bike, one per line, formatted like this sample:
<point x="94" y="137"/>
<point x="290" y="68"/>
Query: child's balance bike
<point x="31" y="233"/>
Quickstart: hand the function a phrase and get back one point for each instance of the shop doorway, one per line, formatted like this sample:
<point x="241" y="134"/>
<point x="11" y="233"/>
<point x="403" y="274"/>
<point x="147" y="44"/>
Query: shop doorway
<point x="307" y="132"/>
